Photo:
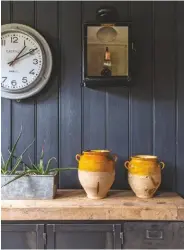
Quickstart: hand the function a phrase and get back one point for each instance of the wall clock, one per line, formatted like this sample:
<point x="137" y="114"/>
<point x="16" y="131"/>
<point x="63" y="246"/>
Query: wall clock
<point x="26" y="61"/>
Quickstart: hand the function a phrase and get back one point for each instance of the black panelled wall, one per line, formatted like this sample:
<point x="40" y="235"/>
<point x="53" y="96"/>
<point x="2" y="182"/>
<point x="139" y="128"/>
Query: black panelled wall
<point x="146" y="119"/>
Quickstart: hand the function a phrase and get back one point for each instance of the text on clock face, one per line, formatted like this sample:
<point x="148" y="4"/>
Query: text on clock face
<point x="21" y="60"/>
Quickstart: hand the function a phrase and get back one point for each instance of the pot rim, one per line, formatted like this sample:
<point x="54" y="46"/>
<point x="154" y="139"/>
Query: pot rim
<point x="96" y="151"/>
<point x="145" y="157"/>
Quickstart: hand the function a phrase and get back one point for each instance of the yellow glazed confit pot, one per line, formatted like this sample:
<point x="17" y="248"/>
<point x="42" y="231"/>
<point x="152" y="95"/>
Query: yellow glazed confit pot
<point x="144" y="175"/>
<point x="96" y="172"/>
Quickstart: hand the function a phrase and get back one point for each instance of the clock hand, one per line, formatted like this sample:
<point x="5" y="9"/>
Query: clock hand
<point x="12" y="62"/>
<point x="24" y="55"/>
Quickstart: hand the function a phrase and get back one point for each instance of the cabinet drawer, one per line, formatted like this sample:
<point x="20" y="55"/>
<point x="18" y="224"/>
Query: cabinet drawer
<point x="178" y="235"/>
<point x="150" y="235"/>
<point x="83" y="236"/>
<point x="22" y="236"/>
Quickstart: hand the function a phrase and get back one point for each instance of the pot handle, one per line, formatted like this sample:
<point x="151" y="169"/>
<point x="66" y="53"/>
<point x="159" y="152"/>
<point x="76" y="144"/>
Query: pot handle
<point x="162" y="164"/>
<point x="115" y="158"/>
<point x="126" y="164"/>
<point x="77" y="157"/>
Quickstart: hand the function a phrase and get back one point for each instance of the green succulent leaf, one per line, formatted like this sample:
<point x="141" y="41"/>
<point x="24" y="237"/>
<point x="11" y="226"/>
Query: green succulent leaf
<point x="60" y="169"/>
<point x="41" y="163"/>
<point x="41" y="166"/>
<point x="22" y="162"/>
<point x="19" y="176"/>
<point x="2" y="159"/>
<point x="19" y="160"/>
<point x="17" y="164"/>
<point x="37" y="170"/>
<point x="30" y="160"/>
<point x="48" y="165"/>
<point x="8" y="162"/>
<point x="3" y="171"/>
<point x="42" y="154"/>
<point x="26" y="149"/>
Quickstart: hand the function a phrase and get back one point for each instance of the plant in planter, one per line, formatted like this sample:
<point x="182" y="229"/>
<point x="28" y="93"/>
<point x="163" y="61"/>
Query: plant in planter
<point x="6" y="165"/>
<point x="36" y="181"/>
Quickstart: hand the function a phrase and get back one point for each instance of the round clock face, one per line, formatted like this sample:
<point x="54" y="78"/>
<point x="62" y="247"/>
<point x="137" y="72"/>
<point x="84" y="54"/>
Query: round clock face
<point x="22" y="71"/>
<point x="26" y="61"/>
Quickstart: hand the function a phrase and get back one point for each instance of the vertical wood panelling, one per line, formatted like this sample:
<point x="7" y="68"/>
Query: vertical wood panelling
<point x="117" y="138"/>
<point x="5" y="103"/>
<point x="164" y="88"/>
<point x="47" y="100"/>
<point x="146" y="119"/>
<point x="94" y="99"/>
<point x="94" y="119"/>
<point x="70" y="92"/>
<point x="5" y="13"/>
<point x="142" y="122"/>
<point x="23" y="112"/>
<point x="180" y="99"/>
<point x="117" y="133"/>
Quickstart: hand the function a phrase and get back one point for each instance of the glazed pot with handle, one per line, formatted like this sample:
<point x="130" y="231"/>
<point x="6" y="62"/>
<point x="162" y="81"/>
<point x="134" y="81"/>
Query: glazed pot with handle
<point x="96" y="172"/>
<point x="144" y="175"/>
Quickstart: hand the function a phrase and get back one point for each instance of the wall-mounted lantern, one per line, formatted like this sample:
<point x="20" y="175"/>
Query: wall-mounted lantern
<point x="107" y="50"/>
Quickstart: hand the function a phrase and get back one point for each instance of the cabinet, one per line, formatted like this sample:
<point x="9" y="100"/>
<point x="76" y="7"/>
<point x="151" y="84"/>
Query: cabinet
<point x="22" y="236"/>
<point x="96" y="235"/>
<point x="153" y="235"/>
<point x="83" y="236"/>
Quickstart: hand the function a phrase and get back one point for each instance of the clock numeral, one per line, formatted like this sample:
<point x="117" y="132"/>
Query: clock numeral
<point x="4" y="79"/>
<point x="13" y="83"/>
<point x="32" y="72"/>
<point x="35" y="61"/>
<point x="24" y="79"/>
<point x="14" y="39"/>
<point x="3" y="42"/>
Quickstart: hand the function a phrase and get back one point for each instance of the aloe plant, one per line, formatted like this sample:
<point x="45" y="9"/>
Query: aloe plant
<point x="41" y="169"/>
<point x="32" y="169"/>
<point x="6" y="165"/>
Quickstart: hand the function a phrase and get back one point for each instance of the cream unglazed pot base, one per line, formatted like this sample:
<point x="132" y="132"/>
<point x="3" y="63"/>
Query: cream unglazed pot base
<point x="144" y="186"/>
<point x="96" y="184"/>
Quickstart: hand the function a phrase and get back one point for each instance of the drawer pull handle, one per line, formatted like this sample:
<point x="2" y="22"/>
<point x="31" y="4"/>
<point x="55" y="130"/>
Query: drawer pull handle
<point x="154" y="235"/>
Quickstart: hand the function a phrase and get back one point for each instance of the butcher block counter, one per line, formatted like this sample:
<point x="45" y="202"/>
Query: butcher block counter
<point x="74" y="205"/>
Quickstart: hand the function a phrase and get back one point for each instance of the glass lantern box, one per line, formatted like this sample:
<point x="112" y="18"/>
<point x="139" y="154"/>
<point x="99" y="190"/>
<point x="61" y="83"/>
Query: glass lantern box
<point x="106" y="54"/>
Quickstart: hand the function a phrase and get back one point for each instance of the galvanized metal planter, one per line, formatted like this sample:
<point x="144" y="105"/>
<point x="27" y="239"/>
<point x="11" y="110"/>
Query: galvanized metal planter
<point x="29" y="187"/>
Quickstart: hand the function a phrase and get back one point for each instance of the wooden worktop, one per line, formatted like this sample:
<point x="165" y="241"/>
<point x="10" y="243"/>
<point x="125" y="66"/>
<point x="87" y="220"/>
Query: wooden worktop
<point x="73" y="205"/>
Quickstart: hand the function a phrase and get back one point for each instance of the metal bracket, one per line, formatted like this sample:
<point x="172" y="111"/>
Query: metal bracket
<point x="121" y="237"/>
<point x="45" y="238"/>
<point x="129" y="78"/>
<point x="133" y="47"/>
<point x="107" y="13"/>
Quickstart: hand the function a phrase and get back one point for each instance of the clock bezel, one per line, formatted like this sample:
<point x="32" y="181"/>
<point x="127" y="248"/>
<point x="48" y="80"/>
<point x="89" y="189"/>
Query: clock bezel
<point x="44" y="75"/>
